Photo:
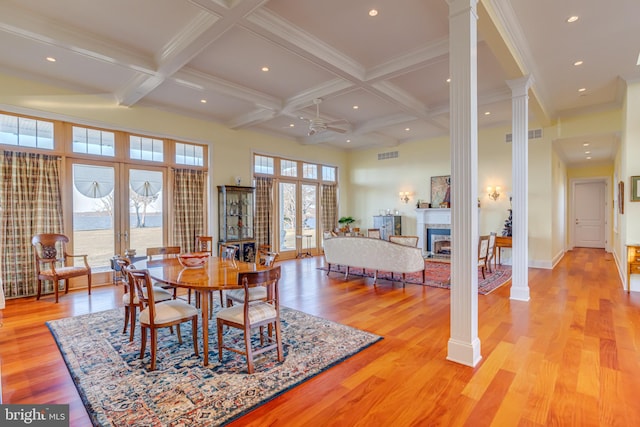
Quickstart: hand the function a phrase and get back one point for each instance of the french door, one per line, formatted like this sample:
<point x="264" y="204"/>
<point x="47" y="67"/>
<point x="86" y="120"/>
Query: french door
<point x="116" y="207"/>
<point x="297" y="218"/>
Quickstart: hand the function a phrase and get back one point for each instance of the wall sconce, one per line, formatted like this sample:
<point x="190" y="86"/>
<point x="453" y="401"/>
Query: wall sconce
<point x="493" y="194"/>
<point x="404" y="196"/>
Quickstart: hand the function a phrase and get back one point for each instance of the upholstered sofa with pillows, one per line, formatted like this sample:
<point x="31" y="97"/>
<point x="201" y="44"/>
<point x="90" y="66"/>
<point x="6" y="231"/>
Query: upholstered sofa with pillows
<point x="374" y="254"/>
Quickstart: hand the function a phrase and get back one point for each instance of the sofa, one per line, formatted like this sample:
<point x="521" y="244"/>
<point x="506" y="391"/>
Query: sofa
<point x="374" y="254"/>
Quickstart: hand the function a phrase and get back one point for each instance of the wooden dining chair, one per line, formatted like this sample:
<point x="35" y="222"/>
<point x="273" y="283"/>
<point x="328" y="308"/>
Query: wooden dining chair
<point x="267" y="259"/>
<point x="483" y="251"/>
<point x="204" y="244"/>
<point x="491" y="251"/>
<point x="227" y="253"/>
<point x="54" y="263"/>
<point x="130" y="299"/>
<point x="164" y="252"/>
<point x="254" y="314"/>
<point x="154" y="316"/>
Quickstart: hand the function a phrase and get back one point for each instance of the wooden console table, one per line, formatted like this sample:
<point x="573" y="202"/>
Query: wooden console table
<point x="501" y="242"/>
<point x="633" y="263"/>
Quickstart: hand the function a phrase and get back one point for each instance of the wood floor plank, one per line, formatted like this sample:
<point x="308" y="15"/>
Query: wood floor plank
<point x="568" y="357"/>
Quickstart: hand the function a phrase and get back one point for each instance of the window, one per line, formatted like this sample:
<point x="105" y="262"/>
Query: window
<point x="25" y="132"/>
<point x="288" y="168"/>
<point x="189" y="154"/>
<point x="263" y="165"/>
<point x="328" y="173"/>
<point x="141" y="148"/>
<point x="309" y="171"/>
<point x="93" y="141"/>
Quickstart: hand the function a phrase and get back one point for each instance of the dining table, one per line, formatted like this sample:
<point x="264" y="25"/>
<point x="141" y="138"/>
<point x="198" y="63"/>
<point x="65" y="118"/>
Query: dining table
<point x="217" y="274"/>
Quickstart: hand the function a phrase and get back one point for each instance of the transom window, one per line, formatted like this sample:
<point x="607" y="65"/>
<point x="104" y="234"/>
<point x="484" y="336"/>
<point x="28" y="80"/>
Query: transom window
<point x="329" y="173"/>
<point x="309" y="171"/>
<point x="141" y="148"/>
<point x="93" y="141"/>
<point x="263" y="165"/>
<point x="189" y="154"/>
<point x="288" y="168"/>
<point x="26" y="132"/>
<point x="267" y="165"/>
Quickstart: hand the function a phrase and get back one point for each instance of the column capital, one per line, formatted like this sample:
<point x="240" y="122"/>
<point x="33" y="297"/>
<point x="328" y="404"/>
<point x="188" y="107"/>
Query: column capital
<point x="520" y="86"/>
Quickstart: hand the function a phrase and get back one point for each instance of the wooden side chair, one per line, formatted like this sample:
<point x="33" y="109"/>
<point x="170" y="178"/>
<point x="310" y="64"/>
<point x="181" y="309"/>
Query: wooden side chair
<point x="164" y="252"/>
<point x="254" y="314"/>
<point x="483" y="251"/>
<point x="258" y="293"/>
<point x="491" y="251"/>
<point x="155" y="316"/>
<point x="374" y="233"/>
<point x="53" y="262"/>
<point x="204" y="244"/>
<point x="130" y="298"/>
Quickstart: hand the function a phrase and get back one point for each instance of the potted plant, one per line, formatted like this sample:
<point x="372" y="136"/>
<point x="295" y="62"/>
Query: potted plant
<point x="345" y="222"/>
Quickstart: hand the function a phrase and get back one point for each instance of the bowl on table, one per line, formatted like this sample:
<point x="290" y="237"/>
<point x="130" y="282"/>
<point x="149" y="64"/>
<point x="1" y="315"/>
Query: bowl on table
<point x="193" y="259"/>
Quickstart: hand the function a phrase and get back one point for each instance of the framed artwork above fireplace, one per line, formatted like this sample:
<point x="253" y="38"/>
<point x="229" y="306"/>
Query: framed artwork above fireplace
<point x="441" y="191"/>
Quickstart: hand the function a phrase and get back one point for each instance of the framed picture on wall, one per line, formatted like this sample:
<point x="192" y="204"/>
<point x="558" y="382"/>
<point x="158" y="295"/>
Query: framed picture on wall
<point x="621" y="197"/>
<point x="635" y="189"/>
<point x="441" y="191"/>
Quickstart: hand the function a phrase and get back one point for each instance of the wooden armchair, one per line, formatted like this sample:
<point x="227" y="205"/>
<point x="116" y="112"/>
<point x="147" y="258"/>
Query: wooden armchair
<point x="53" y="262"/>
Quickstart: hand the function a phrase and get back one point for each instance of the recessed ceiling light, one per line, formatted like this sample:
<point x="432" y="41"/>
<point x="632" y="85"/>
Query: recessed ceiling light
<point x="487" y="113"/>
<point x="348" y="140"/>
<point x="373" y="12"/>
<point x="291" y="125"/>
<point x="586" y="144"/>
<point x="355" y="107"/>
<point x="204" y="101"/>
<point x="589" y="158"/>
<point x="577" y="63"/>
<point x="582" y="89"/>
<point x="265" y="69"/>
<point x="407" y="129"/>
<point x="449" y="80"/>
<point x="51" y="59"/>
<point x="587" y="152"/>
<point x="573" y="18"/>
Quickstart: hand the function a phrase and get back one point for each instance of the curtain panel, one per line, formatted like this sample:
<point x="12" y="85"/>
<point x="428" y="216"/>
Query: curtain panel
<point x="189" y="210"/>
<point x="30" y="203"/>
<point x="329" y="206"/>
<point x="264" y="211"/>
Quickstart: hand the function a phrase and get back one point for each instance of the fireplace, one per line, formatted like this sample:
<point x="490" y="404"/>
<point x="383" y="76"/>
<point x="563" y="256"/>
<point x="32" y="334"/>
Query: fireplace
<point x="434" y="231"/>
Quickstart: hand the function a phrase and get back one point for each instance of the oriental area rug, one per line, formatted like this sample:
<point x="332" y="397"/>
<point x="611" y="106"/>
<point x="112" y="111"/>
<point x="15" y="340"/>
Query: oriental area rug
<point x="117" y="389"/>
<point x="436" y="275"/>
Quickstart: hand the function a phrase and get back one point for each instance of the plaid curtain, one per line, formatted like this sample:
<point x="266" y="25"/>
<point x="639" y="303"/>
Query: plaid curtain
<point x="30" y="203"/>
<point x="329" y="206"/>
<point x="189" y="212"/>
<point x="264" y="210"/>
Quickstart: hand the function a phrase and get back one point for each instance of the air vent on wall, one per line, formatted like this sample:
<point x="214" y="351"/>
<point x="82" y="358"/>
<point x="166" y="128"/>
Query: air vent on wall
<point x="533" y="134"/>
<point x="389" y="155"/>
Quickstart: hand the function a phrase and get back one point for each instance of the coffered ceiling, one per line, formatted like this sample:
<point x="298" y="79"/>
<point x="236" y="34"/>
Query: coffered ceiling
<point x="205" y="58"/>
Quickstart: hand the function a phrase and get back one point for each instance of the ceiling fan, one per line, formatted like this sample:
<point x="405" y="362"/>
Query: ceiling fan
<point x="317" y="124"/>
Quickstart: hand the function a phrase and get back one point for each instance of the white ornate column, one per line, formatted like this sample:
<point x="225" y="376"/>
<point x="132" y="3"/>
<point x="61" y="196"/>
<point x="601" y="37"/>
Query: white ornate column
<point x="520" y="172"/>
<point x="464" y="344"/>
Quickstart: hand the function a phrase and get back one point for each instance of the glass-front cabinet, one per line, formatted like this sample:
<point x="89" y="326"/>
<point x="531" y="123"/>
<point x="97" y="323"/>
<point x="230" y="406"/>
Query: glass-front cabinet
<point x="235" y="219"/>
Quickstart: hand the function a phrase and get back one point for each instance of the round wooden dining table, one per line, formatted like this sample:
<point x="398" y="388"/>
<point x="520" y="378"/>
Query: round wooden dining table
<point x="216" y="275"/>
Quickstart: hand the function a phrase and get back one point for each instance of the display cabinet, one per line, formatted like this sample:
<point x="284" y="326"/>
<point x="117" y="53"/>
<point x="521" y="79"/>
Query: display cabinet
<point x="235" y="219"/>
<point x="389" y="225"/>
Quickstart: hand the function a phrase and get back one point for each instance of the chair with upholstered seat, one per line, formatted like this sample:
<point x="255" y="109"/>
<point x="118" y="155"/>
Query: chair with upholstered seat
<point x="130" y="298"/>
<point x="52" y="262"/>
<point x="254" y="314"/>
<point x="491" y="251"/>
<point x="160" y="252"/>
<point x="204" y="244"/>
<point x="374" y="233"/>
<point x="154" y="316"/>
<point x="267" y="259"/>
<point x="483" y="251"/>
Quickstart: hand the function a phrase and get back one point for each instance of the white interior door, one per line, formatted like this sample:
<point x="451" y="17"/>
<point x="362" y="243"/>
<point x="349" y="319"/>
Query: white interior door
<point x="589" y="219"/>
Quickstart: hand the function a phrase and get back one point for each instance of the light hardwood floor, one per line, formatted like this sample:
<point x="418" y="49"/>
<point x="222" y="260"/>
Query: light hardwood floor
<point x="568" y="357"/>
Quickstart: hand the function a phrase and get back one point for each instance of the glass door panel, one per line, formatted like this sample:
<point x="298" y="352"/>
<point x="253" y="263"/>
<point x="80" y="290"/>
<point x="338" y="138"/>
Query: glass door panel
<point x="94" y="213"/>
<point x="287" y="219"/>
<point x="145" y="213"/>
<point x="309" y="210"/>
